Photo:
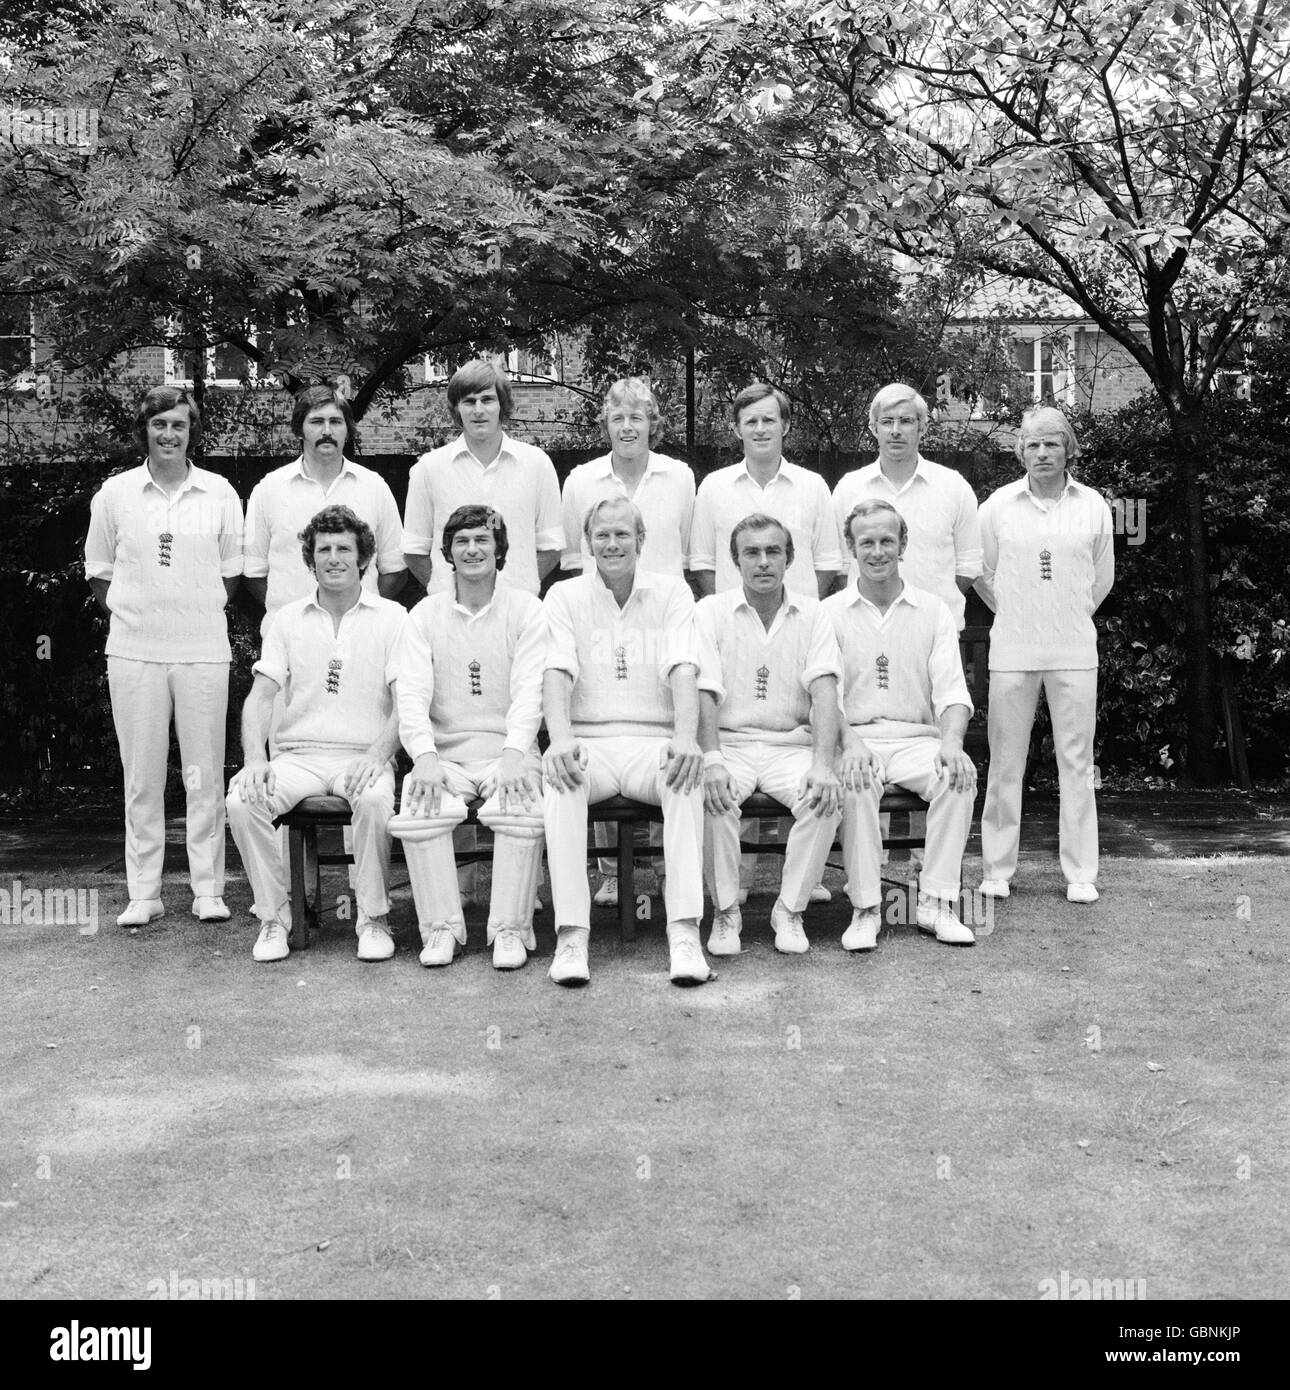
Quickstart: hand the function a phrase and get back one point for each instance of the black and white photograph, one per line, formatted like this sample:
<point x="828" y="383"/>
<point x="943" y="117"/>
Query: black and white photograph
<point x="647" y="659"/>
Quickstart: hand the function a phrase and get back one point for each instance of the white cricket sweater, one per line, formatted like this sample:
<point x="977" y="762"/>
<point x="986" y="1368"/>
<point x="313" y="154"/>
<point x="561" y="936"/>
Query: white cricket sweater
<point x="763" y="678"/>
<point x="1047" y="565"/>
<point x="470" y="684"/>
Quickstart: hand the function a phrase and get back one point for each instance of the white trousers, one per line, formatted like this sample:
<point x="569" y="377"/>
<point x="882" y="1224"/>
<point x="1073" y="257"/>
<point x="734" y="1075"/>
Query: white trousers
<point x="908" y="763"/>
<point x="630" y="767"/>
<point x="1072" y="708"/>
<point x="432" y="866"/>
<point x="776" y="770"/>
<point x="146" y="696"/>
<point x="314" y="773"/>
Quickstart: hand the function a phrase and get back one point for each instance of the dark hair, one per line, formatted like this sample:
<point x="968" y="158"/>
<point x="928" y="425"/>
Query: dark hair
<point x="480" y="376"/>
<point x="334" y="521"/>
<point x="758" y="391"/>
<point x="161" y="399"/>
<point x="756" y="521"/>
<point x="468" y="518"/>
<point x="313" y="396"/>
<point x="867" y="508"/>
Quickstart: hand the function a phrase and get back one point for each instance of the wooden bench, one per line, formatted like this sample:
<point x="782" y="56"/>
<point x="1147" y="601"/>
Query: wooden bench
<point x="305" y="819"/>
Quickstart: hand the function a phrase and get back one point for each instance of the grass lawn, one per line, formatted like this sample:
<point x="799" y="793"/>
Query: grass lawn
<point x="1099" y="1090"/>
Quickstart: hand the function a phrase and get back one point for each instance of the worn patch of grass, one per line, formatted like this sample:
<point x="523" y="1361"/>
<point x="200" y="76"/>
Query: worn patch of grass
<point x="1096" y="1089"/>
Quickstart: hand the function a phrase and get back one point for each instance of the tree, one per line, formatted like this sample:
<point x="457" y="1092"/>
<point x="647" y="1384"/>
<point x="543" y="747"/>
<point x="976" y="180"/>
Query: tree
<point x="1132" y="154"/>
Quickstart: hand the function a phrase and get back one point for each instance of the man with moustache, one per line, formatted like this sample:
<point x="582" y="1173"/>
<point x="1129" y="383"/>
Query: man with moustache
<point x="622" y="704"/>
<point x="283" y="501"/>
<point x="768" y="721"/>
<point x="163" y="556"/>
<point x="905" y="709"/>
<point x="331" y="655"/>
<point x="470" y="702"/>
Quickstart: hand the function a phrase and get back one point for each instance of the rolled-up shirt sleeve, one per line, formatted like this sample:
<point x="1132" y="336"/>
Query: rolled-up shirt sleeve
<point x="255" y="544"/>
<point x="572" y="557"/>
<point x="945" y="666"/>
<point x="562" y="639"/>
<point x="389" y="536"/>
<point x="528" y="662"/>
<point x="414" y="687"/>
<point x="100" y="542"/>
<point x="680" y="638"/>
<point x="967" y="534"/>
<point x="231" y="559"/>
<point x="548" y="523"/>
<point x="711" y="674"/>
<point x="703" y="531"/>
<point x="275" y="660"/>
<point x="823" y="656"/>
<point x="824" y="533"/>
<point x="418" y="511"/>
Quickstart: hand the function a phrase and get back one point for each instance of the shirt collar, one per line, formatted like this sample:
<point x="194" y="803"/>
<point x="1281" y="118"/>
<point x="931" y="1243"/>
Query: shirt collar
<point x="874" y="470"/>
<point x="791" y="603"/>
<point x="366" y="599"/>
<point x="603" y="467"/>
<point x="195" y="478"/>
<point x="461" y="447"/>
<point x="346" y="466"/>
<point x="643" y="581"/>
<point x="1043" y="503"/>
<point x="906" y="595"/>
<point x="784" y="471"/>
<point x="499" y="579"/>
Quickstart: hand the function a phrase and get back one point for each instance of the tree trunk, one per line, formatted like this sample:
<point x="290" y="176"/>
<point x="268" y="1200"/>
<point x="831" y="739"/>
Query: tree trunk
<point x="1191" y="447"/>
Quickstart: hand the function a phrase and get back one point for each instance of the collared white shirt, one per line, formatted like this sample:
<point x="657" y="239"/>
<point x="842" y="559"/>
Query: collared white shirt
<point x="335" y="681"/>
<point x="470" y="684"/>
<point x="795" y="496"/>
<point x="520" y="483"/>
<point x="940" y="511"/>
<point x="665" y="496"/>
<point x="620" y="659"/>
<point x="762" y="676"/>
<point x="901" y="670"/>
<point x="1047" y="565"/>
<point x="166" y="557"/>
<point x="285" y="501"/>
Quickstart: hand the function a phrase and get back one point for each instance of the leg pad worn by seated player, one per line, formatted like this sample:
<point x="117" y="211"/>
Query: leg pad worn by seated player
<point x="432" y="867"/>
<point x="517" y="860"/>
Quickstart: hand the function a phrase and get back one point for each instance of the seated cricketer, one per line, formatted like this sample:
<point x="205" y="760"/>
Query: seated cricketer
<point x="768" y="721"/>
<point x="906" y="708"/>
<point x="332" y="655"/>
<point x="470" y="702"/>
<point x="622" y="707"/>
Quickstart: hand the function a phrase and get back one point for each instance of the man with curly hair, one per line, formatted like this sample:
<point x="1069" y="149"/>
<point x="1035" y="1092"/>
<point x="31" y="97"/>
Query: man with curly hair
<point x="332" y="656"/>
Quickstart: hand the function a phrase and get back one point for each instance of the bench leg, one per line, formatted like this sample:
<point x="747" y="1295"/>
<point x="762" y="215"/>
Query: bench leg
<point x="298" y="838"/>
<point x="627" y="880"/>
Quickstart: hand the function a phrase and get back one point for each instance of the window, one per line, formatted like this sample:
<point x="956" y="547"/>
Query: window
<point x="542" y="365"/>
<point x="221" y="364"/>
<point x="1044" y="362"/>
<point x="17" y="340"/>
